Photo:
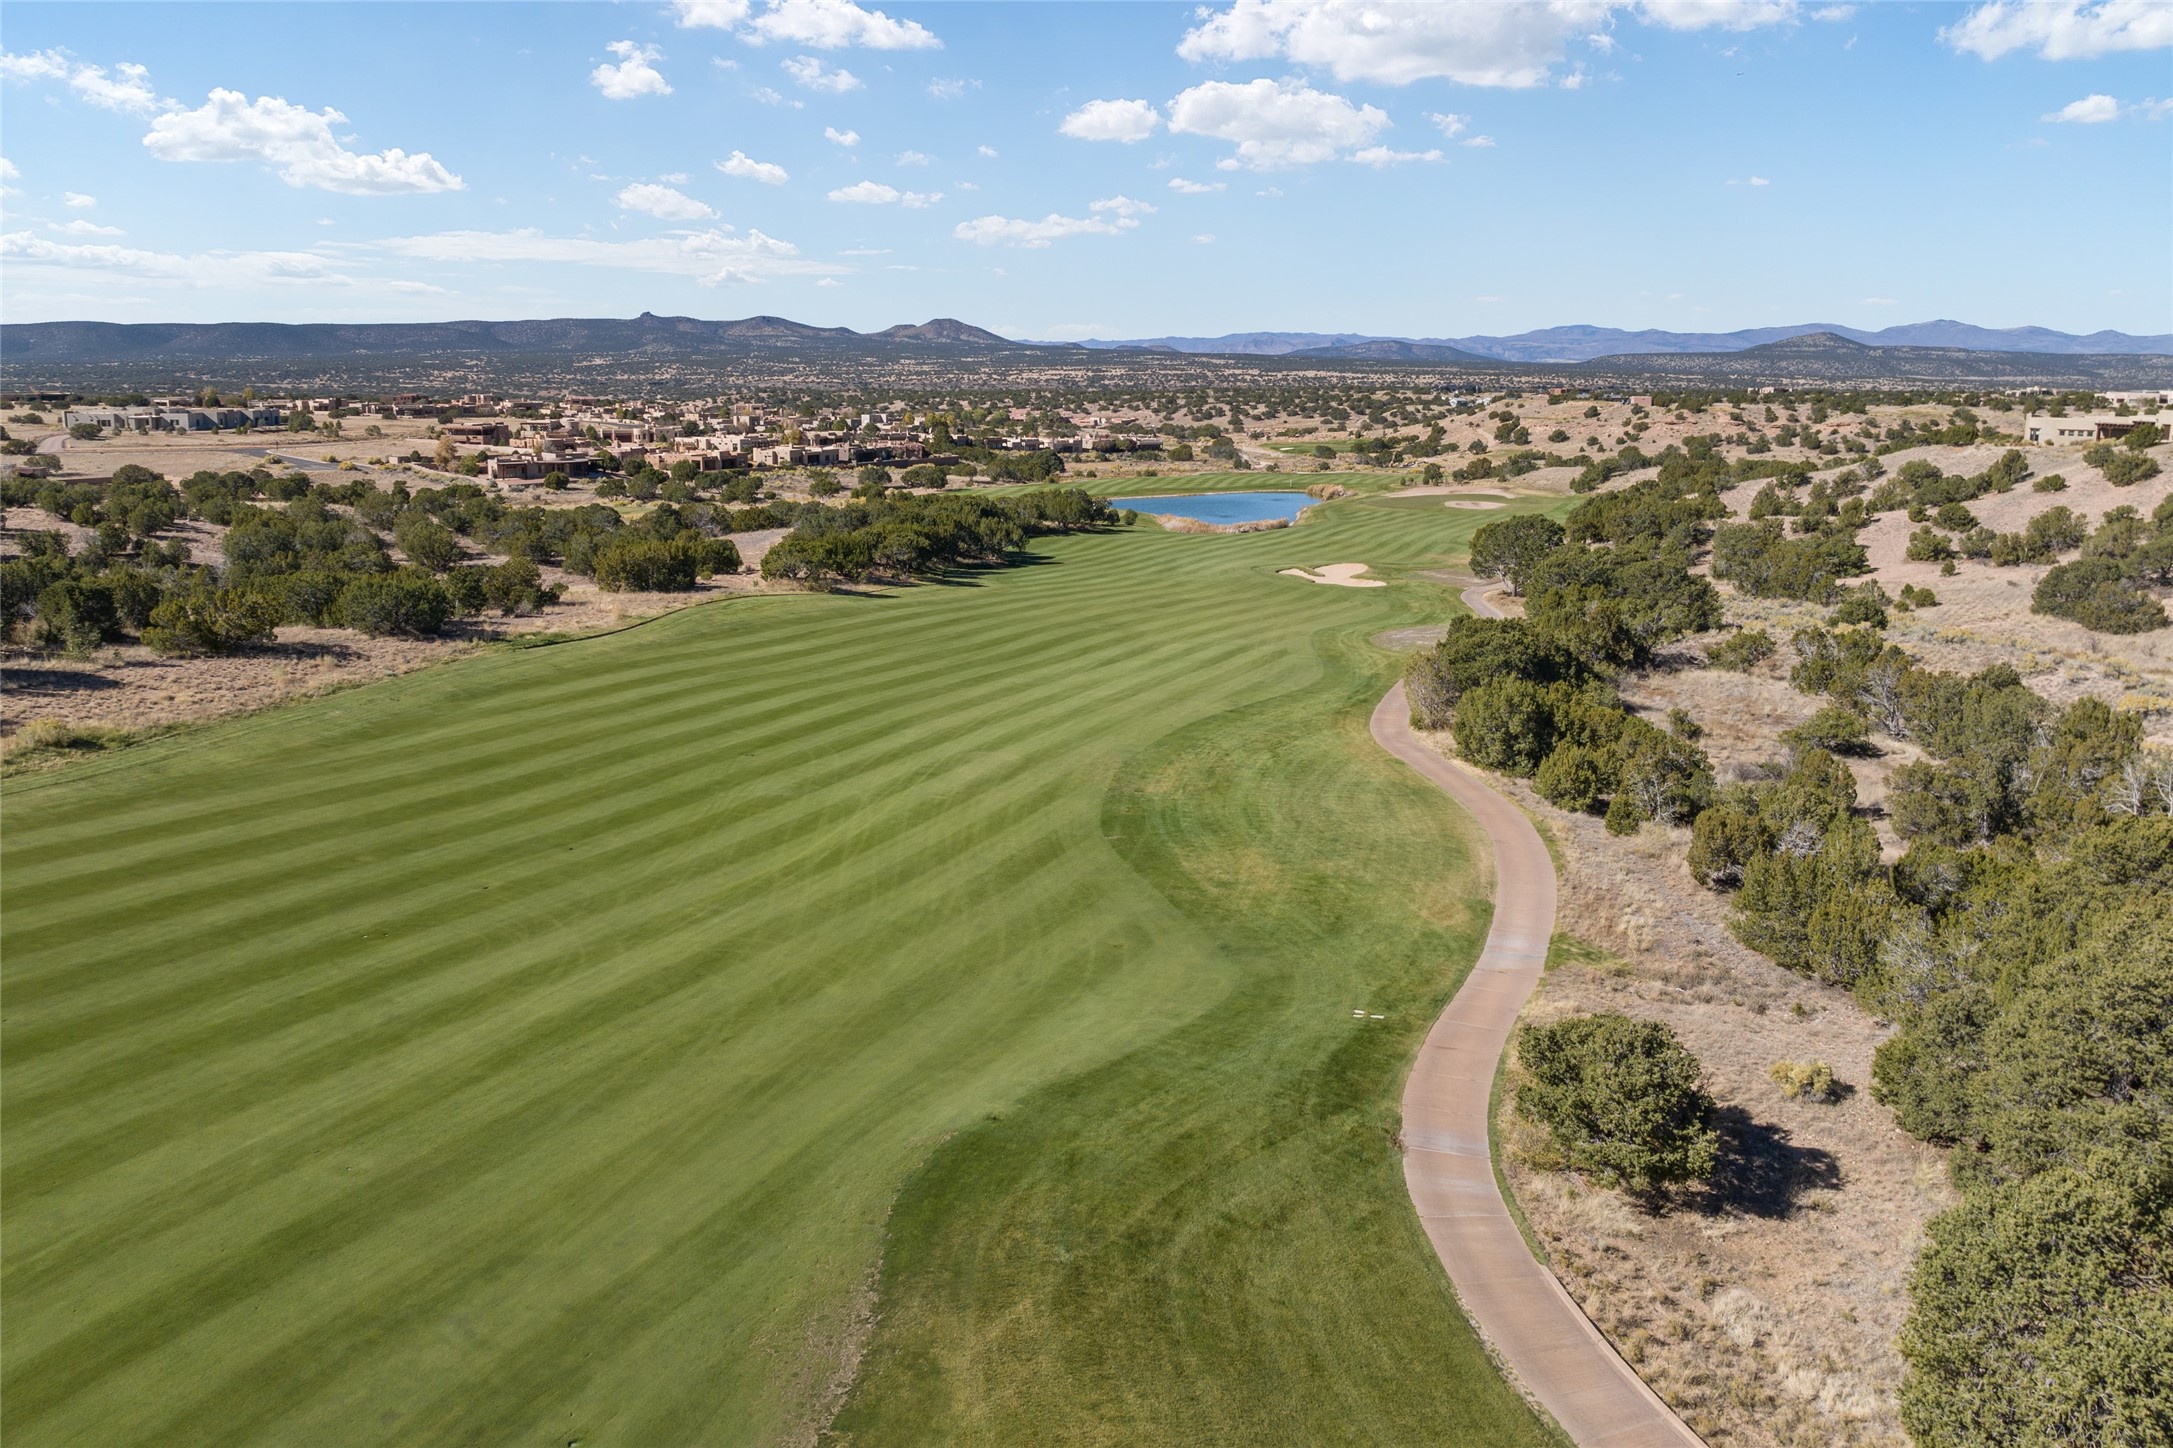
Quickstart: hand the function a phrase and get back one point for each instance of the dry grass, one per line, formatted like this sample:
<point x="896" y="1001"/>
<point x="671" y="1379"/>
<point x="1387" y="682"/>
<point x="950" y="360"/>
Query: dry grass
<point x="1763" y="1309"/>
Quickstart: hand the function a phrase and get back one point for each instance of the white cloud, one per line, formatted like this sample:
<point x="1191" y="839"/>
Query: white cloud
<point x="835" y="25"/>
<point x="81" y="227"/>
<point x="740" y="164"/>
<point x="1010" y="231"/>
<point x="1749" y="181"/>
<point x="1269" y="191"/>
<point x="2062" y="29"/>
<point x="127" y="88"/>
<point x="297" y="143"/>
<point x="711" y="256"/>
<point x="1726" y="14"/>
<point x="769" y="96"/>
<point x="715" y="14"/>
<point x="911" y="158"/>
<point x="813" y="74"/>
<point x="987" y="151"/>
<point x="2093" y="110"/>
<point x="1451" y="125"/>
<point x="634" y="75"/>
<point x="1125" y="121"/>
<point x="829" y="282"/>
<point x="875" y="193"/>
<point x="664" y="203"/>
<point x="204" y="269"/>
<point x="1274" y="123"/>
<point x="1876" y="302"/>
<point x="1196" y="188"/>
<point x="674" y="178"/>
<point x="1480" y="141"/>
<point x="1205" y="238"/>
<point x="1398" y="41"/>
<point x="1834" y="14"/>
<point x="1513" y="43"/>
<point x="1123" y="206"/>
<point x="865" y="251"/>
<point x="842" y="138"/>
<point x="951" y="90"/>
<point x="8" y="172"/>
<point x="77" y="200"/>
<point x="2157" y="110"/>
<point x="1380" y="158"/>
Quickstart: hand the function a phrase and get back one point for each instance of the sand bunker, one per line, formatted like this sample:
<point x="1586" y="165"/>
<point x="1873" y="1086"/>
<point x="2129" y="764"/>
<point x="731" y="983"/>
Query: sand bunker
<point x="1472" y="503"/>
<point x="1340" y="575"/>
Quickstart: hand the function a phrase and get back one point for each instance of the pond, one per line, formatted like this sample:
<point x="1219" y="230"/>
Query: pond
<point x="1223" y="507"/>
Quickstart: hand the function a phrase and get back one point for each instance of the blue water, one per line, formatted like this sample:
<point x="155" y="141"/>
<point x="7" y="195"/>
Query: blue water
<point x="1223" y="507"/>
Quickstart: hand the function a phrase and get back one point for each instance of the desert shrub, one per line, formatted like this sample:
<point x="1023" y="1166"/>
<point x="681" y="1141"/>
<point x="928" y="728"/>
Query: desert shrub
<point x="516" y="587"/>
<point x="1574" y="778"/>
<point x="404" y="602"/>
<point x="1929" y="545"/>
<point x="2049" y="483"/>
<point x="2122" y="467"/>
<point x="1740" y="651"/>
<point x="1622" y="1099"/>
<point x="2041" y="1314"/>
<point x="1954" y="517"/>
<point x="650" y="565"/>
<point x="1803" y="1080"/>
<point x="1763" y="561"/>
<point x="213" y="621"/>
<point x="1913" y="597"/>
<point x="1833" y="729"/>
<point x="1506" y="724"/>
<point x="77" y="615"/>
<point x="2096" y="593"/>
<point x="1510" y="548"/>
<point x="1477" y="650"/>
<point x="313" y="597"/>
<point x="1864" y="604"/>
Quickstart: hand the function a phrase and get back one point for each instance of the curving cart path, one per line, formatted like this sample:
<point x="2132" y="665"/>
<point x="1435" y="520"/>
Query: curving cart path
<point x="1543" y="1337"/>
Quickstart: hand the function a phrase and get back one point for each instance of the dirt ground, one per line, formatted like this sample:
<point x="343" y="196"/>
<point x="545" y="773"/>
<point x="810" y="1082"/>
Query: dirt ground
<point x="1764" y="1308"/>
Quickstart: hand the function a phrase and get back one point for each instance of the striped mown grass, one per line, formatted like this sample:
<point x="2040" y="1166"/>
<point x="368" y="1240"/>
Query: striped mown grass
<point x="553" y="1045"/>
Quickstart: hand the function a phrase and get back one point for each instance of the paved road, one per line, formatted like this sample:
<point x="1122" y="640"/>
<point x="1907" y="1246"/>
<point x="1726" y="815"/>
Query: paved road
<point x="1545" y="1339"/>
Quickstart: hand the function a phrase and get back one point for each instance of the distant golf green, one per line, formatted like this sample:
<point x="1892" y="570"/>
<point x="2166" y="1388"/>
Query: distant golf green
<point x="561" y="1044"/>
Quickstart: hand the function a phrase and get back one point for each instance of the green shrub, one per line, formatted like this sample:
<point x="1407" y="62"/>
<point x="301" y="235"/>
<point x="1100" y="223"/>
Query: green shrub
<point x="404" y="602"/>
<point x="1622" y="1100"/>
<point x="1929" y="545"/>
<point x="1574" y="778"/>
<point x="78" y="615"/>
<point x="1740" y="651"/>
<point x="1833" y="729"/>
<point x="208" y="621"/>
<point x="1509" y="548"/>
<point x="1863" y="605"/>
<point x="2049" y="483"/>
<point x="2096" y="593"/>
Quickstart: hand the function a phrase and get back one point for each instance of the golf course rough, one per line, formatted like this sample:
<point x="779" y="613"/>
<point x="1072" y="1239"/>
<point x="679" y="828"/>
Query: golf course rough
<point x="554" y="1044"/>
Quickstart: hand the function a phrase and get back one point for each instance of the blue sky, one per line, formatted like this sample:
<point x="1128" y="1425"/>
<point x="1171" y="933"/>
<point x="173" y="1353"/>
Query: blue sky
<point x="1062" y="170"/>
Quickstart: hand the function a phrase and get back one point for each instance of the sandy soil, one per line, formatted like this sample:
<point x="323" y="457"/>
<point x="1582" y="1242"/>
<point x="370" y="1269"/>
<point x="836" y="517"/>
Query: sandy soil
<point x="1474" y="503"/>
<point x="1338" y="575"/>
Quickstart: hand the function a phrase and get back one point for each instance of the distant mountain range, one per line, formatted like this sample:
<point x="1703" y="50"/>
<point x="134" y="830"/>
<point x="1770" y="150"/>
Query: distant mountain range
<point x="31" y="344"/>
<point x="1582" y="344"/>
<point x="655" y="353"/>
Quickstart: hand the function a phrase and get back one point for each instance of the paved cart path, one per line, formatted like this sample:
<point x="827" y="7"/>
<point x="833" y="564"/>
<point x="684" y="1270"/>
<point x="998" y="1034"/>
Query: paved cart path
<point x="1555" y="1352"/>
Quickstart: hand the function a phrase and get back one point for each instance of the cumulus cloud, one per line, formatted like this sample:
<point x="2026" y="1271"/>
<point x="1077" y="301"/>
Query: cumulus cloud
<point x="1205" y="238"/>
<point x="8" y="171"/>
<point x="635" y="74"/>
<point x="875" y="193"/>
<point x="987" y="151"/>
<point x="842" y="138"/>
<point x="297" y="143"/>
<point x="1275" y="124"/>
<point x="1125" y="121"/>
<point x="1013" y="231"/>
<point x="665" y="203"/>
<point x="126" y="88"/>
<point x="835" y="25"/>
<point x="711" y="256"/>
<point x="746" y="168"/>
<point x="1123" y="206"/>
<point x="77" y="200"/>
<point x="1480" y="141"/>
<point x="813" y="74"/>
<point x="1450" y="124"/>
<point x="2093" y="110"/>
<point x="81" y="227"/>
<point x="2062" y="29"/>
<point x="1196" y="188"/>
<point x="911" y="158"/>
<point x="1512" y="43"/>
<point x="950" y="90"/>
<point x="1380" y="158"/>
<point x="715" y="14"/>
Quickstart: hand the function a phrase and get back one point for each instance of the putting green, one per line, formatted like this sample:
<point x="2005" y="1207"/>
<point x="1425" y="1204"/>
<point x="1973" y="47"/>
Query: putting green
<point x="552" y="1045"/>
